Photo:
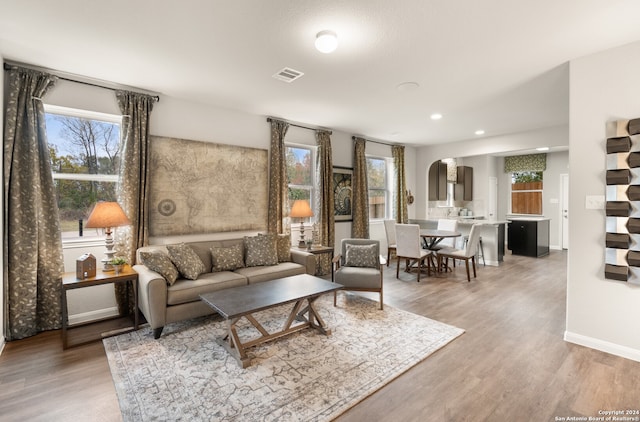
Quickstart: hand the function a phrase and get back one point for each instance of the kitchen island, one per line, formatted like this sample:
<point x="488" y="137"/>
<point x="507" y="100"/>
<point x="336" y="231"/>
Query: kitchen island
<point x="492" y="233"/>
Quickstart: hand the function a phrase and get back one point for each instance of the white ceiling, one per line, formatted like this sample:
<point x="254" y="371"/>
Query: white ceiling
<point x="497" y="65"/>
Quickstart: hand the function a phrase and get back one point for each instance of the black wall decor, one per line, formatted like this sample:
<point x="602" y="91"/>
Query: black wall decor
<point x="622" y="240"/>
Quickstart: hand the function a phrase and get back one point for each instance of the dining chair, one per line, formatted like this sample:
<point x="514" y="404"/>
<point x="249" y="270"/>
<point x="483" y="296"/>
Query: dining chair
<point x="359" y="267"/>
<point x="390" y="231"/>
<point x="467" y="254"/>
<point x="449" y="225"/>
<point x="408" y="247"/>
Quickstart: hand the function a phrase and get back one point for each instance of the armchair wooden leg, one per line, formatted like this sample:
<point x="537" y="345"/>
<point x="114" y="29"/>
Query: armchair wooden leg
<point x="388" y="256"/>
<point x="335" y="298"/>
<point x="398" y="268"/>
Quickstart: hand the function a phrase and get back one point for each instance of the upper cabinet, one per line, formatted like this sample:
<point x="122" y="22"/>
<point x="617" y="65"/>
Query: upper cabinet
<point x="438" y="181"/>
<point x="463" y="190"/>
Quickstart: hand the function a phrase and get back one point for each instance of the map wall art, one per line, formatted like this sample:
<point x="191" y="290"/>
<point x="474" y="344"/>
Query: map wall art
<point x="202" y="187"/>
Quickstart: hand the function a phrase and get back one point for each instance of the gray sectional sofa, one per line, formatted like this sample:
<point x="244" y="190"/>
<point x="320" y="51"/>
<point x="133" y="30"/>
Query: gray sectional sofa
<point x="162" y="301"/>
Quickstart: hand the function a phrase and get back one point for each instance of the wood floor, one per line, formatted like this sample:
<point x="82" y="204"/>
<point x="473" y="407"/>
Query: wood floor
<point x="510" y="365"/>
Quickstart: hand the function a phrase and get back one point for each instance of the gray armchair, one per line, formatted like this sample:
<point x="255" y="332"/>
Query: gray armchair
<point x="359" y="267"/>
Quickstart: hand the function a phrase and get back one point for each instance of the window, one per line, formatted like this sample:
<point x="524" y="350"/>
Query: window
<point x="84" y="150"/>
<point x="301" y="172"/>
<point x="526" y="192"/>
<point x="379" y="180"/>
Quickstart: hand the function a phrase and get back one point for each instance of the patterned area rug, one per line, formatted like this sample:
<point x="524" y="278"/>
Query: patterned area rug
<point x="306" y="376"/>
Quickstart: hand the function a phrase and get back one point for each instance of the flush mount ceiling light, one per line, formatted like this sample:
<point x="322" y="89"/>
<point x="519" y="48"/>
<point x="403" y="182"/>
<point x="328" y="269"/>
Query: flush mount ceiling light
<point x="326" y="41"/>
<point x="479" y="132"/>
<point x="436" y="116"/>
<point x="542" y="149"/>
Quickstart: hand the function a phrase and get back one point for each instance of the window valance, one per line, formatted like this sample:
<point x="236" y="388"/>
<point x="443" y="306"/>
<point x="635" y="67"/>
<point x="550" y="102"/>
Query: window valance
<point x="531" y="162"/>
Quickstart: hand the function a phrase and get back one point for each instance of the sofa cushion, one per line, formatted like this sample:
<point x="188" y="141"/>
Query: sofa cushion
<point x="186" y="261"/>
<point x="160" y="263"/>
<point x="271" y="272"/>
<point x="361" y="256"/>
<point x="226" y="258"/>
<point x="260" y="250"/>
<point x="184" y="290"/>
<point x="284" y="248"/>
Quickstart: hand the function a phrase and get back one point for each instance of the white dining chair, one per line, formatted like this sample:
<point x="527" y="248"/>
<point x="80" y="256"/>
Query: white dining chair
<point x="408" y="247"/>
<point x="467" y="254"/>
<point x="390" y="232"/>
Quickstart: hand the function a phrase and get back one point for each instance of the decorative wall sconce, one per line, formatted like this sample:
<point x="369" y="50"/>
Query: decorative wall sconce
<point x="410" y="197"/>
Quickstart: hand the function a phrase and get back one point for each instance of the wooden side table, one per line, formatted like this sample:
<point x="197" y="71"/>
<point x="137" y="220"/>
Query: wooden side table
<point x="105" y="327"/>
<point x="319" y="250"/>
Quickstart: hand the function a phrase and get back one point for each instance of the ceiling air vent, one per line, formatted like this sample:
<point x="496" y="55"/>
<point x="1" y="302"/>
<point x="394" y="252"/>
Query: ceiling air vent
<point x="287" y="74"/>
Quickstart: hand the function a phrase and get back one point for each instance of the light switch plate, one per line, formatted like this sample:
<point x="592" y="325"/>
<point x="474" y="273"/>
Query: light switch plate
<point x="594" y="202"/>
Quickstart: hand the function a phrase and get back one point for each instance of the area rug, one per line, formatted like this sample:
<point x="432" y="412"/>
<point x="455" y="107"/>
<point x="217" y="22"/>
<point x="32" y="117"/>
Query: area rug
<point x="306" y="376"/>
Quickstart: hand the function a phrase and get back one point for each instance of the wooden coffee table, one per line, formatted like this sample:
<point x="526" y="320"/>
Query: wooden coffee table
<point x="243" y="301"/>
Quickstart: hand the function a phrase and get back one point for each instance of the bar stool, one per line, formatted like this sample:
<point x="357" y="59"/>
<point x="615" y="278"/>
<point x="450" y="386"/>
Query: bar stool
<point x="479" y="253"/>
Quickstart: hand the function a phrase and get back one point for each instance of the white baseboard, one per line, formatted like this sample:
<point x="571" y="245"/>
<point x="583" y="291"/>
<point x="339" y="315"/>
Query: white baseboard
<point x="93" y="315"/>
<point x="603" y="346"/>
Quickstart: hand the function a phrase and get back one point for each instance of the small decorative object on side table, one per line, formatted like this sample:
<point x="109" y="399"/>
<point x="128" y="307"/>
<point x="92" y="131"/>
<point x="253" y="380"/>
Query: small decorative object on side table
<point x="118" y="264"/>
<point x="103" y="327"/>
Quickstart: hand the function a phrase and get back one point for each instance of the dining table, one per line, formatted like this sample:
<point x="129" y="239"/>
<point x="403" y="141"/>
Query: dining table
<point x="432" y="237"/>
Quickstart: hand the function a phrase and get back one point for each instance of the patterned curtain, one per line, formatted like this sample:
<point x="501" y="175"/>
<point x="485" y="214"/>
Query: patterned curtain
<point x="326" y="220"/>
<point x="530" y="162"/>
<point x="278" y="197"/>
<point x="360" y="225"/>
<point x="400" y="198"/>
<point x="133" y="186"/>
<point x="33" y="261"/>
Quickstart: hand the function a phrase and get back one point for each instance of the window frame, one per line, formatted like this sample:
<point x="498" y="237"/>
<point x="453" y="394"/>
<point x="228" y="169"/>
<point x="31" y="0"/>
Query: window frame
<point x="511" y="191"/>
<point x="312" y="187"/>
<point x="388" y="189"/>
<point x="98" y="240"/>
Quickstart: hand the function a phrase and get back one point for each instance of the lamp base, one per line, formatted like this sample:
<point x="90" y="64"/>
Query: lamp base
<point x="107" y="266"/>
<point x="302" y="244"/>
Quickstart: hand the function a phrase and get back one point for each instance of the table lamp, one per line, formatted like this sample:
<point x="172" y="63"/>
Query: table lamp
<point x="106" y="215"/>
<point x="301" y="210"/>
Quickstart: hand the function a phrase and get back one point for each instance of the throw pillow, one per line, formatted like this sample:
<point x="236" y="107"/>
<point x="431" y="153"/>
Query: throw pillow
<point x="227" y="259"/>
<point x="160" y="263"/>
<point x="361" y="256"/>
<point x="186" y="261"/>
<point x="284" y="248"/>
<point x="260" y="250"/>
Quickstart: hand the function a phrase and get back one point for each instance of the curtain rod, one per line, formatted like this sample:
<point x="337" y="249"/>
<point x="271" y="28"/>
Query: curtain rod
<point x="269" y="119"/>
<point x="353" y="138"/>
<point x="9" y="66"/>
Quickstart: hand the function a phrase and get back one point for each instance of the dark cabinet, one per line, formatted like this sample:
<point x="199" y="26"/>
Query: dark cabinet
<point x="463" y="190"/>
<point x="438" y="181"/>
<point x="529" y="237"/>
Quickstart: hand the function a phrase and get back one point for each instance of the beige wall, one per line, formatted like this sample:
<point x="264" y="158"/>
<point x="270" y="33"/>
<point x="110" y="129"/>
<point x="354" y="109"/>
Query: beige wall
<point x="174" y="117"/>
<point x="601" y="313"/>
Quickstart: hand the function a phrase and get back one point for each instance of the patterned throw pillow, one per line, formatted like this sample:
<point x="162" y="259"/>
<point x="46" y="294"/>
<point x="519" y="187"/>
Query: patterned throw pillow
<point x="160" y="263"/>
<point x="227" y="259"/>
<point x="284" y="248"/>
<point x="186" y="261"/>
<point x="361" y="256"/>
<point x="260" y="250"/>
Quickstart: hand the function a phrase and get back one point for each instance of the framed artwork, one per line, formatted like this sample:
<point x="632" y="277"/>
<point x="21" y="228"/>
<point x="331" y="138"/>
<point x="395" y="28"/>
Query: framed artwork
<point x="342" y="193"/>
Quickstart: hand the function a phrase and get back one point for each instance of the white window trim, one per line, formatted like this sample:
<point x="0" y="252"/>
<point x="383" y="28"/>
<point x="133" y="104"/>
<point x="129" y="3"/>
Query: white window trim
<point x="77" y="243"/>
<point x="388" y="190"/>
<point x="510" y="175"/>
<point x="312" y="186"/>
